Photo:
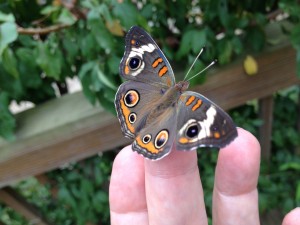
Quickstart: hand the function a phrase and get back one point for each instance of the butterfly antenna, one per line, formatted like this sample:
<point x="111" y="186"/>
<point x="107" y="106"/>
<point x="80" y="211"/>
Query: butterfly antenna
<point x="193" y="63"/>
<point x="211" y="64"/>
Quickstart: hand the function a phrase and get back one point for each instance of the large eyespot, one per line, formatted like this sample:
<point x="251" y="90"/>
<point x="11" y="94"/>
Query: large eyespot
<point x="161" y="139"/>
<point x="132" y="118"/>
<point x="147" y="138"/>
<point x="134" y="63"/>
<point x="192" y="130"/>
<point x="131" y="98"/>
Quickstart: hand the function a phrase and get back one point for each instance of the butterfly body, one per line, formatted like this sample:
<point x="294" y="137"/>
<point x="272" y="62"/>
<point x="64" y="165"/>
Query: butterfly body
<point x="157" y="112"/>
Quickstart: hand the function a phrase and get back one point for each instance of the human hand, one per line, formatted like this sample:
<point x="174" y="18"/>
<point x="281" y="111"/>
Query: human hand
<point x="169" y="191"/>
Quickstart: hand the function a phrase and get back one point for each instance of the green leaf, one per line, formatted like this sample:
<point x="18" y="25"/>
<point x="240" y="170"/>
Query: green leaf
<point x="191" y="40"/>
<point x="65" y="196"/>
<point x="237" y="45"/>
<point x="50" y="60"/>
<point x="7" y="121"/>
<point x="298" y="193"/>
<point x="104" y="79"/>
<point x="225" y="50"/>
<point x="294" y="37"/>
<point x="86" y="80"/>
<point x="290" y="166"/>
<point x="185" y="44"/>
<point x="113" y="64"/>
<point x="66" y="17"/>
<point x="127" y="13"/>
<point x="105" y="12"/>
<point x="198" y="40"/>
<point x="260" y="19"/>
<point x="28" y="68"/>
<point x="105" y="102"/>
<point x="6" y="17"/>
<point x="147" y="11"/>
<point x="256" y="38"/>
<point x="103" y="37"/>
<point x="88" y="46"/>
<point x="10" y="63"/>
<point x="8" y="34"/>
<point x="72" y="49"/>
<point x="223" y="12"/>
<point x="50" y="9"/>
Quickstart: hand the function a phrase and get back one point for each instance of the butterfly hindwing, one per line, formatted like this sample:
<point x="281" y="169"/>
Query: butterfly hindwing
<point x="131" y="105"/>
<point x="144" y="61"/>
<point x="202" y="123"/>
<point x="156" y="139"/>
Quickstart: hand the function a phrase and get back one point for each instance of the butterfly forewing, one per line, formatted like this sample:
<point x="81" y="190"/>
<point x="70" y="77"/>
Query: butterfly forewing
<point x="144" y="61"/>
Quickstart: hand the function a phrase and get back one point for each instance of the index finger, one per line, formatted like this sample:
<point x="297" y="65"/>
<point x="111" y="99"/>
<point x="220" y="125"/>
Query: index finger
<point x="174" y="192"/>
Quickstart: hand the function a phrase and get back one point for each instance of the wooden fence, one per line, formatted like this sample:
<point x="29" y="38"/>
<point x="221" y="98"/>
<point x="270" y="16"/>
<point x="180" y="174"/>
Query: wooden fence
<point x="69" y="129"/>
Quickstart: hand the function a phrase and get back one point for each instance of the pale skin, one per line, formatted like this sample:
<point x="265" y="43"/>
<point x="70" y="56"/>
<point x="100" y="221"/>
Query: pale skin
<point x="169" y="191"/>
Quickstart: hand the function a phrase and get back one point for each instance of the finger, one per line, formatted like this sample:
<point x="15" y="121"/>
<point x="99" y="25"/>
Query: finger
<point x="127" y="190"/>
<point x="173" y="190"/>
<point x="235" y="197"/>
<point x="292" y="218"/>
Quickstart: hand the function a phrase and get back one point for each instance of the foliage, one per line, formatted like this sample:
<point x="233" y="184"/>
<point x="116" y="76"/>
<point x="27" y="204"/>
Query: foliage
<point x="55" y="39"/>
<point x="76" y="194"/>
<point x="9" y="216"/>
<point x="41" y="47"/>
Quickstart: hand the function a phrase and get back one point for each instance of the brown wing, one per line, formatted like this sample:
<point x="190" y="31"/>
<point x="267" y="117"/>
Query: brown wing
<point x="144" y="61"/>
<point x="202" y="123"/>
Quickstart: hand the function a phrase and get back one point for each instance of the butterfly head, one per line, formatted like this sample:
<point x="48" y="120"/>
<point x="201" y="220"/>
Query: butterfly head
<point x="182" y="86"/>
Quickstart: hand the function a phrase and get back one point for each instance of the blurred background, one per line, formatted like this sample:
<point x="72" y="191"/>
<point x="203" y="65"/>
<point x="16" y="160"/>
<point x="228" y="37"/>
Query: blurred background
<point x="59" y="71"/>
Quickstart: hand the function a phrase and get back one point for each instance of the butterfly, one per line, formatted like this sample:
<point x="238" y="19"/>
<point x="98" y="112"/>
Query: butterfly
<point x="156" y="112"/>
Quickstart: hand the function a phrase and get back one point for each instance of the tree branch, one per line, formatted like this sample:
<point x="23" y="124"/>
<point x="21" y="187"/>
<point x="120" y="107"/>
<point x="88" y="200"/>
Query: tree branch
<point x="42" y="31"/>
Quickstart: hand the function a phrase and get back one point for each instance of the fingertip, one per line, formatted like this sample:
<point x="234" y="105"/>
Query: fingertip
<point x="174" y="164"/>
<point x="127" y="182"/>
<point x="238" y="165"/>
<point x="292" y="218"/>
<point x="247" y="140"/>
<point x="125" y="158"/>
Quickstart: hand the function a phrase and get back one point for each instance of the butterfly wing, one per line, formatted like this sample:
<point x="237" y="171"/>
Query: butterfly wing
<point x="144" y="61"/>
<point x="154" y="131"/>
<point x="202" y="123"/>
<point x="132" y="105"/>
<point x="156" y="139"/>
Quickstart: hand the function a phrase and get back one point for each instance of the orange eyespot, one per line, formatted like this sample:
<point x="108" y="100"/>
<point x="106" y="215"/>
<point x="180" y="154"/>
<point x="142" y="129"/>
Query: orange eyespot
<point x="132" y="118"/>
<point x="161" y="139"/>
<point x="146" y="138"/>
<point x="131" y="98"/>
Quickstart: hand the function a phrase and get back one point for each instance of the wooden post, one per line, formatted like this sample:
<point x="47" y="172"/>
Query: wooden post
<point x="265" y="131"/>
<point x="18" y="203"/>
